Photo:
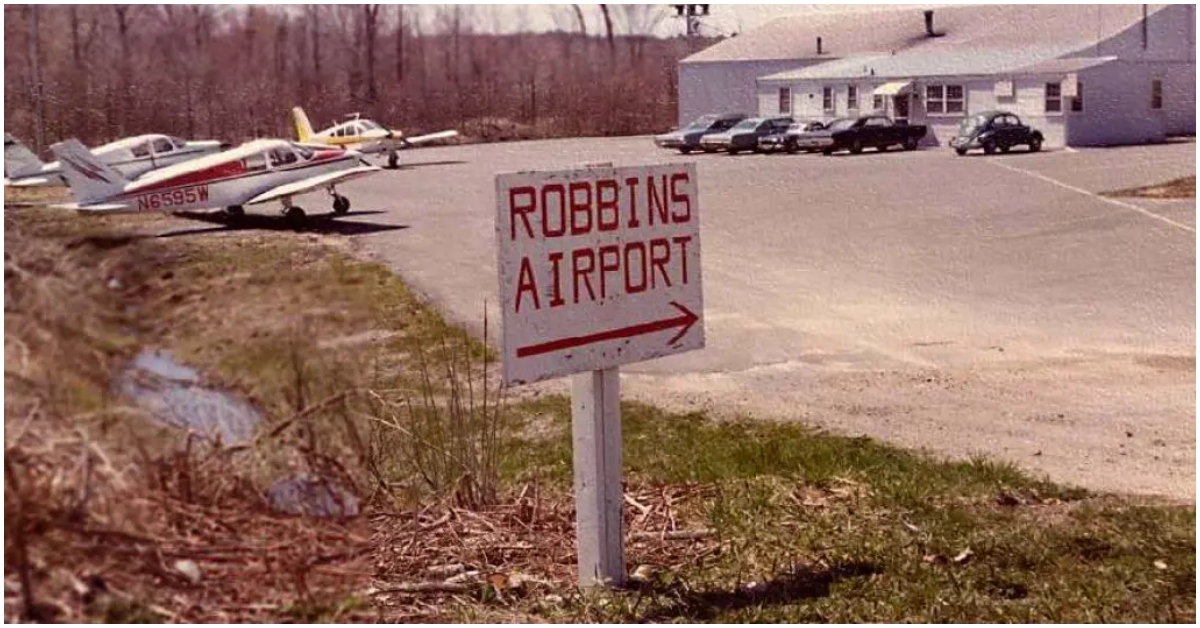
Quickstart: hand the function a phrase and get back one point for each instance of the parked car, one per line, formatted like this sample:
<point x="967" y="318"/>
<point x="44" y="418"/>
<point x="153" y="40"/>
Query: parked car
<point x="995" y="130"/>
<point x="687" y="139"/>
<point x="855" y="134"/>
<point x="787" y="140"/>
<point x="745" y="135"/>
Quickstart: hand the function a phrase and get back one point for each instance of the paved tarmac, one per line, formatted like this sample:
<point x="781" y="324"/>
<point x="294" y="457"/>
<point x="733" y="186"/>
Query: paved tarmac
<point x="966" y="305"/>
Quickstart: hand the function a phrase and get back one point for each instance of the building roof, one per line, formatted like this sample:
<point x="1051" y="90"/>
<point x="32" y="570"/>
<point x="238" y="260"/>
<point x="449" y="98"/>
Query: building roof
<point x="1062" y="66"/>
<point x="1073" y="27"/>
<point x="923" y="63"/>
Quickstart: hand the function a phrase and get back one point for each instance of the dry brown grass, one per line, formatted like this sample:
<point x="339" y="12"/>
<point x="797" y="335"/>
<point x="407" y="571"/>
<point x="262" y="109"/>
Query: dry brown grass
<point x="100" y="503"/>
<point x="1184" y="187"/>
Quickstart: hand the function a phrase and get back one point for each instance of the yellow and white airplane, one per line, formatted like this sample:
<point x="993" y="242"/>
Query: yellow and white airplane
<point x="362" y="135"/>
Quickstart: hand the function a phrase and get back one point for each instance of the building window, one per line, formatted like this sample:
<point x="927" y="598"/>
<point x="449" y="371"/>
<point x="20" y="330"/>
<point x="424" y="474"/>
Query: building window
<point x="877" y="103"/>
<point x="785" y="100"/>
<point x="827" y="99"/>
<point x="1156" y="97"/>
<point x="852" y="97"/>
<point x="945" y="99"/>
<point x="1077" y="100"/>
<point x="1053" y="97"/>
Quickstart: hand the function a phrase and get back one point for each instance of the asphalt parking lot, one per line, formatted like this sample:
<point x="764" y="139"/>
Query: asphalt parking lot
<point x="961" y="304"/>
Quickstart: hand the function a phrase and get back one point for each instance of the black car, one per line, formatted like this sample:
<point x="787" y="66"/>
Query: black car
<point x="995" y="130"/>
<point x="745" y="135"/>
<point x="687" y="139"/>
<point x="788" y="140"/>
<point x="870" y="131"/>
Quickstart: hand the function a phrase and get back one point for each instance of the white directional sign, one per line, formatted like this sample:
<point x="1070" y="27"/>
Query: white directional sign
<point x="598" y="267"/>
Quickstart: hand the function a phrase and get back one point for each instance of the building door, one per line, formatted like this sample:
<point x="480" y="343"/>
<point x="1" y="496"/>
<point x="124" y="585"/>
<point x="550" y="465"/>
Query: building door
<point x="900" y="108"/>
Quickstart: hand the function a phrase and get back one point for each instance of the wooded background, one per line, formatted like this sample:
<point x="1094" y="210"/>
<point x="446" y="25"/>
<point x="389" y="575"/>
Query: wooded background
<point x="100" y="72"/>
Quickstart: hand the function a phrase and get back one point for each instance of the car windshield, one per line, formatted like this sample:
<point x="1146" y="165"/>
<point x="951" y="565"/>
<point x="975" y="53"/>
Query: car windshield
<point x="969" y="125"/>
<point x="703" y="122"/>
<point x="841" y="124"/>
<point x="749" y="124"/>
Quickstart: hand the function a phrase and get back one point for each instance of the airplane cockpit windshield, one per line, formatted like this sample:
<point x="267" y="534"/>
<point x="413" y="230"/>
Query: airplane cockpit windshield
<point x="368" y="125"/>
<point x="282" y="156"/>
<point x="306" y="152"/>
<point x="179" y="143"/>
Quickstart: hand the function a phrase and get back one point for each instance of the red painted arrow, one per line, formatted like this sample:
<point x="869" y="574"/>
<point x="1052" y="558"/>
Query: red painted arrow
<point x="685" y="321"/>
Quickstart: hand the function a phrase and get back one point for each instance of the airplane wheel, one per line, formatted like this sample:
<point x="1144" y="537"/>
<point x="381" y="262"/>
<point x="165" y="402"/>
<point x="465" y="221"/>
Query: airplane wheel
<point x="393" y="161"/>
<point x="294" y="214"/>
<point x="235" y="211"/>
<point x="341" y="204"/>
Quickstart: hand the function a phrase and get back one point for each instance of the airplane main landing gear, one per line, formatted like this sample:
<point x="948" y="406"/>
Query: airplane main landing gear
<point x="341" y="204"/>
<point x="293" y="213"/>
<point x="235" y="211"/>
<point x="393" y="160"/>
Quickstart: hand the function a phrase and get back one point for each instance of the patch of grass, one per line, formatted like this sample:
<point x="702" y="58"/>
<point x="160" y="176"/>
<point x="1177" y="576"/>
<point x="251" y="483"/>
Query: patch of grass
<point x="816" y="527"/>
<point x="1184" y="187"/>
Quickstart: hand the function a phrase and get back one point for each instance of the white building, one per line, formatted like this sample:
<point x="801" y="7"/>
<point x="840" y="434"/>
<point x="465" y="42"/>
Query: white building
<point x="1081" y="74"/>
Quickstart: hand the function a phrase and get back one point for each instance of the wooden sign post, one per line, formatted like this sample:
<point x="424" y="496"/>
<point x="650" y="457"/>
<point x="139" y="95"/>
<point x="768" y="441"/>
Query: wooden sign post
<point x="598" y="267"/>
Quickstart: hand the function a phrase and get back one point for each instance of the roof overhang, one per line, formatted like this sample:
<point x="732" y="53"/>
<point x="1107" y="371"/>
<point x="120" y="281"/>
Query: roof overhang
<point x="894" y="88"/>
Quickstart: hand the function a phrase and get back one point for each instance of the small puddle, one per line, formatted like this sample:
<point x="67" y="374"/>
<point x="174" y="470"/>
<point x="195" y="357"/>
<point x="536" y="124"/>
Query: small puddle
<point x="171" y="392"/>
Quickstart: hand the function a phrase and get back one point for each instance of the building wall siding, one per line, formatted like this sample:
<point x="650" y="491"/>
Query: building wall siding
<point x="726" y="87"/>
<point x="1117" y="104"/>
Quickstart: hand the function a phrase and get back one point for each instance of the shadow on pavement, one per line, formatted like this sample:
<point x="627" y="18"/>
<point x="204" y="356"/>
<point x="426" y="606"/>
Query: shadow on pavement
<point x="412" y="165"/>
<point x="319" y="223"/>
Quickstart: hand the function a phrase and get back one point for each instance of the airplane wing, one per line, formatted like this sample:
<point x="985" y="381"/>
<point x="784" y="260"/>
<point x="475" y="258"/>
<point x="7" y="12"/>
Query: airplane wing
<point x="431" y="137"/>
<point x="311" y="183"/>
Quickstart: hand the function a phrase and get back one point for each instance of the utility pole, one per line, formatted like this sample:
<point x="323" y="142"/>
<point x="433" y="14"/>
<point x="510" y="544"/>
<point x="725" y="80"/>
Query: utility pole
<point x="691" y="13"/>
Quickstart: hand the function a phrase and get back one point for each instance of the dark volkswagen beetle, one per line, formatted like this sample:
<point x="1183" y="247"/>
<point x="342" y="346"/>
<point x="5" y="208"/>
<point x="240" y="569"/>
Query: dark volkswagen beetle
<point x="995" y="130"/>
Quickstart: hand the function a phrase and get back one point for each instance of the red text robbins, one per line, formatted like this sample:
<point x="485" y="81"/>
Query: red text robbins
<point x="596" y="272"/>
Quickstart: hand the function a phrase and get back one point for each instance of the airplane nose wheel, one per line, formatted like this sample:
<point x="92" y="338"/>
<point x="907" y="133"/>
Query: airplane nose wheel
<point x="341" y="204"/>
<point x="393" y="160"/>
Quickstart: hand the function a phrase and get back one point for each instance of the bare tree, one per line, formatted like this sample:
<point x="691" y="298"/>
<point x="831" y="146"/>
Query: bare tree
<point x="37" y="88"/>
<point x="370" y="18"/>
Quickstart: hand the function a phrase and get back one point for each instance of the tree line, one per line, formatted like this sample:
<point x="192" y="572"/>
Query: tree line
<point x="99" y="72"/>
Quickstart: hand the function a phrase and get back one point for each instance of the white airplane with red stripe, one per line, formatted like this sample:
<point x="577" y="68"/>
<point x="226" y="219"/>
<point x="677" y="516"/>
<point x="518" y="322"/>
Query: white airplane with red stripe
<point x="256" y="172"/>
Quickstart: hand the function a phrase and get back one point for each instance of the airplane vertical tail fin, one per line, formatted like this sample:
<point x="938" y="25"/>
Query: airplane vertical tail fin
<point x="19" y="161"/>
<point x="304" y="128"/>
<point x="90" y="179"/>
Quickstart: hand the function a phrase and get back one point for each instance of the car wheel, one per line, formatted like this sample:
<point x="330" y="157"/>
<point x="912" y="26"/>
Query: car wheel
<point x="685" y="151"/>
<point x="883" y="148"/>
<point x="733" y="151"/>
<point x="910" y="144"/>
<point x="960" y="151"/>
<point x="989" y="148"/>
<point x="857" y="147"/>
<point x="1004" y="148"/>
<point x="827" y="152"/>
<point x="1035" y="145"/>
<point x="710" y="150"/>
<point x="791" y="149"/>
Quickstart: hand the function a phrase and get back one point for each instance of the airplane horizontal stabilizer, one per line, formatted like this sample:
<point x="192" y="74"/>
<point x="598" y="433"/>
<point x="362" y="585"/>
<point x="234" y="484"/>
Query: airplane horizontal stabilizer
<point x="100" y="208"/>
